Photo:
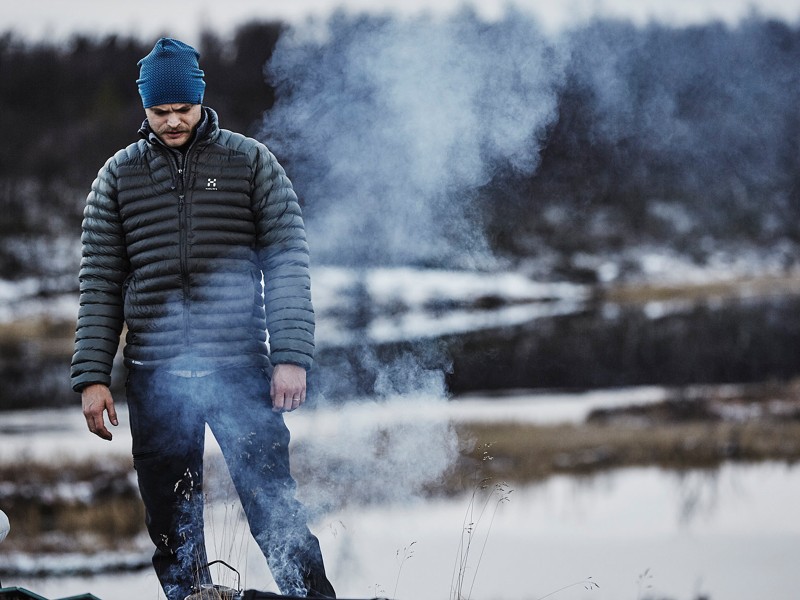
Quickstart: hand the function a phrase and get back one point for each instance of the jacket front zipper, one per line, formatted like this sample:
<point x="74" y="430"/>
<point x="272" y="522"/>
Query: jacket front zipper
<point x="179" y="163"/>
<point x="183" y="245"/>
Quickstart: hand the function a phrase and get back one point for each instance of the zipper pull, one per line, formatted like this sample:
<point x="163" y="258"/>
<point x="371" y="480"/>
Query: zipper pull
<point x="180" y="203"/>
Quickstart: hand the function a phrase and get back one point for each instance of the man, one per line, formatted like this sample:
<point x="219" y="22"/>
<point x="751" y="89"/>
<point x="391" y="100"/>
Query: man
<point x="178" y="231"/>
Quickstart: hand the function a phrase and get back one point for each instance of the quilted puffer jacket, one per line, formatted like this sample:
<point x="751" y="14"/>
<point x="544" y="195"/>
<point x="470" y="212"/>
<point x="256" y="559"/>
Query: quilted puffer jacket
<point x="174" y="247"/>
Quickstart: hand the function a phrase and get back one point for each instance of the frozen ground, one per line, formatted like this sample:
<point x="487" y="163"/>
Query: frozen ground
<point x="394" y="304"/>
<point x="47" y="433"/>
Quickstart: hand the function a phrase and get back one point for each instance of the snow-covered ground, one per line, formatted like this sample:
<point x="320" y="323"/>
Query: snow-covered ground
<point x="401" y="303"/>
<point x="398" y="303"/>
<point x="47" y="433"/>
<point x="405" y="303"/>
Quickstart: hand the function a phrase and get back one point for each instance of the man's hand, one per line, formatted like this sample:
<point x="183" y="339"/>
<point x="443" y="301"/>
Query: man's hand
<point x="97" y="400"/>
<point x="288" y="387"/>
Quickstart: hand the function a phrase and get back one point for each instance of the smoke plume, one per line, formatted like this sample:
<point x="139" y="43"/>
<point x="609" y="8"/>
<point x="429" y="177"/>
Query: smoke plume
<point x="390" y="128"/>
<point x="397" y="132"/>
<point x="438" y="141"/>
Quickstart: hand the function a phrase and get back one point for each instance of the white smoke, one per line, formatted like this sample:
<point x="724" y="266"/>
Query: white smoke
<point x="390" y="127"/>
<point x="384" y="448"/>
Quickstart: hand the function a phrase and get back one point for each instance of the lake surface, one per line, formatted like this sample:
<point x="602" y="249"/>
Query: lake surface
<point x="732" y="533"/>
<point x="729" y="534"/>
<point x="475" y="332"/>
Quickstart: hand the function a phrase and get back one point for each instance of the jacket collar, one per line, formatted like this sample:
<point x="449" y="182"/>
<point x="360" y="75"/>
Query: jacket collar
<point x="206" y="131"/>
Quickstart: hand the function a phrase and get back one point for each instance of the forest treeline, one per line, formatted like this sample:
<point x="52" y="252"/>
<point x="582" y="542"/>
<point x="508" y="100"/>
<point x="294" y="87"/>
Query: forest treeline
<point x="65" y="108"/>
<point x="686" y="137"/>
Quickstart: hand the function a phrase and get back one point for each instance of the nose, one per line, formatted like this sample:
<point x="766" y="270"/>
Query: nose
<point x="173" y="120"/>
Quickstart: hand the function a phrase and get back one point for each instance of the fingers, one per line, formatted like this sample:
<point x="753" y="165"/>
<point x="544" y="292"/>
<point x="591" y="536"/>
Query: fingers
<point x="287" y="388"/>
<point x="96" y="400"/>
<point x="98" y="427"/>
<point x="112" y="414"/>
<point x="287" y="402"/>
<point x="95" y="421"/>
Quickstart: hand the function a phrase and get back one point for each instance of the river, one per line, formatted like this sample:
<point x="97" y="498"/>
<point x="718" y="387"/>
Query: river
<point x="728" y="534"/>
<point x="732" y="533"/>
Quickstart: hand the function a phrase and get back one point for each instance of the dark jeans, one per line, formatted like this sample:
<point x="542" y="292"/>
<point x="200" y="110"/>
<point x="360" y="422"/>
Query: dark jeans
<point x="168" y="415"/>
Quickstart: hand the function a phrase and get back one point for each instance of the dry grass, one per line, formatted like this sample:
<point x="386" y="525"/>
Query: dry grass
<point x="762" y="286"/>
<point x="71" y="507"/>
<point x="37" y="329"/>
<point x="525" y="453"/>
<point x="95" y="505"/>
<point x="696" y="427"/>
<point x="107" y="524"/>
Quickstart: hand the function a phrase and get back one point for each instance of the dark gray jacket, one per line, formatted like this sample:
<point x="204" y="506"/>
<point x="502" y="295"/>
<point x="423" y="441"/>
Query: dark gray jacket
<point x="175" y="247"/>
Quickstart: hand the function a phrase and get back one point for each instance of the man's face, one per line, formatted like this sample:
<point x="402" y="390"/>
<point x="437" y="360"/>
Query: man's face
<point x="174" y="123"/>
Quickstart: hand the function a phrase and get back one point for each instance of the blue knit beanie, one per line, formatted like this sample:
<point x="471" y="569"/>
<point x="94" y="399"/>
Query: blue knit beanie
<point x="170" y="74"/>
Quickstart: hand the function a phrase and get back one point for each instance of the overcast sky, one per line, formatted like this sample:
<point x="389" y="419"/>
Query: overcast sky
<point x="57" y="19"/>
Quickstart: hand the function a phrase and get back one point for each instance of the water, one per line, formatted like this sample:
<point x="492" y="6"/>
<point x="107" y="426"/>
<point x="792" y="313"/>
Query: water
<point x="731" y="533"/>
<point x="533" y="336"/>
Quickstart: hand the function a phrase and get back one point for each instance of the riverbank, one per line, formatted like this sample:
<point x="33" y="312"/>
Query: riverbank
<point x="639" y="532"/>
<point x="88" y="501"/>
<point x="690" y="428"/>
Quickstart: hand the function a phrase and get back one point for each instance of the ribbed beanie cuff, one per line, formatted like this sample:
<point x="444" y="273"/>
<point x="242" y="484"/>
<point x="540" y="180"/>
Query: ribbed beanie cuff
<point x="170" y="74"/>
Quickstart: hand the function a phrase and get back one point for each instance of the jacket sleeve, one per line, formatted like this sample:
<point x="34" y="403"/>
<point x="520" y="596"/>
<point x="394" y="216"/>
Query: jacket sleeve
<point x="284" y="257"/>
<point x="104" y="267"/>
